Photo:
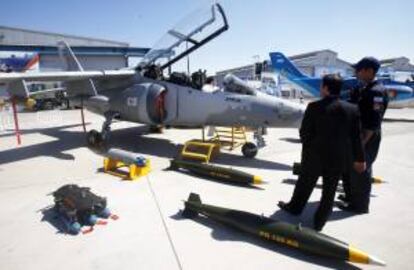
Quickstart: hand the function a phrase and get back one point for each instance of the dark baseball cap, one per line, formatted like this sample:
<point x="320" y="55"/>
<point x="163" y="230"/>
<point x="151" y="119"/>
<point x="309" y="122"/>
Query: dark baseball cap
<point x="367" y="62"/>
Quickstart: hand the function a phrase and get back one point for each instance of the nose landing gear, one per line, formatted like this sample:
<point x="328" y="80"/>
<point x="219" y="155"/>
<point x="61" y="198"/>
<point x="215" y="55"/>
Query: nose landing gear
<point x="250" y="149"/>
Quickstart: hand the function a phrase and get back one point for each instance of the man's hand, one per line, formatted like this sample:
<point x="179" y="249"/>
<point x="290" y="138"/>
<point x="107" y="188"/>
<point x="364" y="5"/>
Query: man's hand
<point x="366" y="136"/>
<point x="360" y="167"/>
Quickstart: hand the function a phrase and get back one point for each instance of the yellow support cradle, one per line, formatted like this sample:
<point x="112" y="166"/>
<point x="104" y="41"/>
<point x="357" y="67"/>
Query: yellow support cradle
<point x="113" y="167"/>
<point x="199" y="150"/>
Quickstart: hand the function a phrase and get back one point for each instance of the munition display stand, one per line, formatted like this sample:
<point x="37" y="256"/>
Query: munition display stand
<point x="114" y="167"/>
<point x="200" y="150"/>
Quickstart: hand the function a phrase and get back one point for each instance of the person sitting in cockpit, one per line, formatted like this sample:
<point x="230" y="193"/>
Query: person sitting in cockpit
<point x="210" y="85"/>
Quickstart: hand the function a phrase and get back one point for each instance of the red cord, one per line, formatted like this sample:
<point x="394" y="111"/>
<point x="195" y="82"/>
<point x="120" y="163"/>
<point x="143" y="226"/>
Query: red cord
<point x="101" y="222"/>
<point x="114" y="217"/>
<point x="88" y="230"/>
<point x="16" y="121"/>
<point x="83" y="116"/>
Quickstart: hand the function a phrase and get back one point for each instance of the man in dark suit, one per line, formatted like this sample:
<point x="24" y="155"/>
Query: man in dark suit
<point x="331" y="143"/>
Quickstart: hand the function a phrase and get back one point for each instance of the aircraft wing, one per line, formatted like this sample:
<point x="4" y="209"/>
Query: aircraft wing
<point x="16" y="82"/>
<point x="64" y="75"/>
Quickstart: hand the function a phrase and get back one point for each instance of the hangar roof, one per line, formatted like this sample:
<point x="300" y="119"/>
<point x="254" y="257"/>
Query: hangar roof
<point x="398" y="63"/>
<point x="25" y="40"/>
<point x="310" y="54"/>
<point x="19" y="36"/>
<point x="313" y="54"/>
<point x="79" y="50"/>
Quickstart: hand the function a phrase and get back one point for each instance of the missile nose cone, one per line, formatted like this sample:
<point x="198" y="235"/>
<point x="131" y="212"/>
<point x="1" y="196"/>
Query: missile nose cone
<point x="257" y="180"/>
<point x="358" y="256"/>
<point x="378" y="180"/>
<point x="376" y="261"/>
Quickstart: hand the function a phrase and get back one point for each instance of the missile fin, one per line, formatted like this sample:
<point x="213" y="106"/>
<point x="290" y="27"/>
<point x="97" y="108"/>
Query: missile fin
<point x="189" y="211"/>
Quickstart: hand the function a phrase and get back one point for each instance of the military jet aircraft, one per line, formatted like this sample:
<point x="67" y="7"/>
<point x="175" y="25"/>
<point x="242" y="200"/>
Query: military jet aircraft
<point x="145" y="94"/>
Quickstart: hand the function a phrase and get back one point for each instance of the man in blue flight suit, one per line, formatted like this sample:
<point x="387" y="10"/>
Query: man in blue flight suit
<point x="372" y="101"/>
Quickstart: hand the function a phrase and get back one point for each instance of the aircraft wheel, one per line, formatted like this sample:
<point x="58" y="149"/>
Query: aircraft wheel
<point x="249" y="150"/>
<point x="95" y="139"/>
<point x="48" y="106"/>
<point x="66" y="104"/>
<point x="157" y="129"/>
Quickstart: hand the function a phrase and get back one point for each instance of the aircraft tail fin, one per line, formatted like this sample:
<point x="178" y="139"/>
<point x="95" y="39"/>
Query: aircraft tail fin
<point x="285" y="67"/>
<point x="79" y="87"/>
<point x="32" y="63"/>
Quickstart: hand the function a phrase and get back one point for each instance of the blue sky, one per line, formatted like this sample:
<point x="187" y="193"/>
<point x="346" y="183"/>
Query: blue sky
<point x="353" y="28"/>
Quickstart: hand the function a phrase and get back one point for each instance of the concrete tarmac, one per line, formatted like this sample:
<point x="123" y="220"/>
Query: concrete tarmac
<point x="53" y="154"/>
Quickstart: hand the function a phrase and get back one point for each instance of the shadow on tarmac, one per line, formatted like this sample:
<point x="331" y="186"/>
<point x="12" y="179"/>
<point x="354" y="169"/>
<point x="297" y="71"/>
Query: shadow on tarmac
<point x="49" y="215"/>
<point x="129" y="139"/>
<point x="306" y="217"/>
<point x="223" y="233"/>
<point x="228" y="183"/>
<point x="65" y="140"/>
<point x="340" y="189"/>
<point x="398" y="120"/>
<point x="292" y="181"/>
<point x="291" y="140"/>
<point x="339" y="214"/>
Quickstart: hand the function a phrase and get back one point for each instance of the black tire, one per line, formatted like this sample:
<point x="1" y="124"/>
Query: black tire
<point x="48" y="105"/>
<point x="156" y="129"/>
<point x="66" y="104"/>
<point x="249" y="150"/>
<point x="94" y="139"/>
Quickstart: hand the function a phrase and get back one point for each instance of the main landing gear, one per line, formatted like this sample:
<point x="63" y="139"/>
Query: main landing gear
<point x="98" y="140"/>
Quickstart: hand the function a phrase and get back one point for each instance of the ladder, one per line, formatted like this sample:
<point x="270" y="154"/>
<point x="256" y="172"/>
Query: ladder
<point x="230" y="137"/>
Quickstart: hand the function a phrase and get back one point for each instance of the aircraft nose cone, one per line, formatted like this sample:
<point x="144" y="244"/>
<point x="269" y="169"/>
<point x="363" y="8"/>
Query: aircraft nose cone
<point x="411" y="103"/>
<point x="295" y="113"/>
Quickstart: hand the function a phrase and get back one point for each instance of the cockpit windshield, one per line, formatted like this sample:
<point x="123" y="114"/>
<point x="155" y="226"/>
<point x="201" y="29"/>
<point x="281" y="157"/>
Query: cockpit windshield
<point x="189" y="34"/>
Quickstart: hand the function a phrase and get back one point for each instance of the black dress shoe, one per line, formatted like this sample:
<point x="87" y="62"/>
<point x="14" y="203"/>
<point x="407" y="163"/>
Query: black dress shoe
<point x="317" y="228"/>
<point x="350" y="208"/>
<point x="343" y="198"/>
<point x="286" y="207"/>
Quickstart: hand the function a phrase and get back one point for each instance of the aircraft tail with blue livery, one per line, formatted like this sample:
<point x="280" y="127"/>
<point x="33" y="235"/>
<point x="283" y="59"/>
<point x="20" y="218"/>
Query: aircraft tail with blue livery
<point x="282" y="65"/>
<point x="401" y="94"/>
<point x="18" y="63"/>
